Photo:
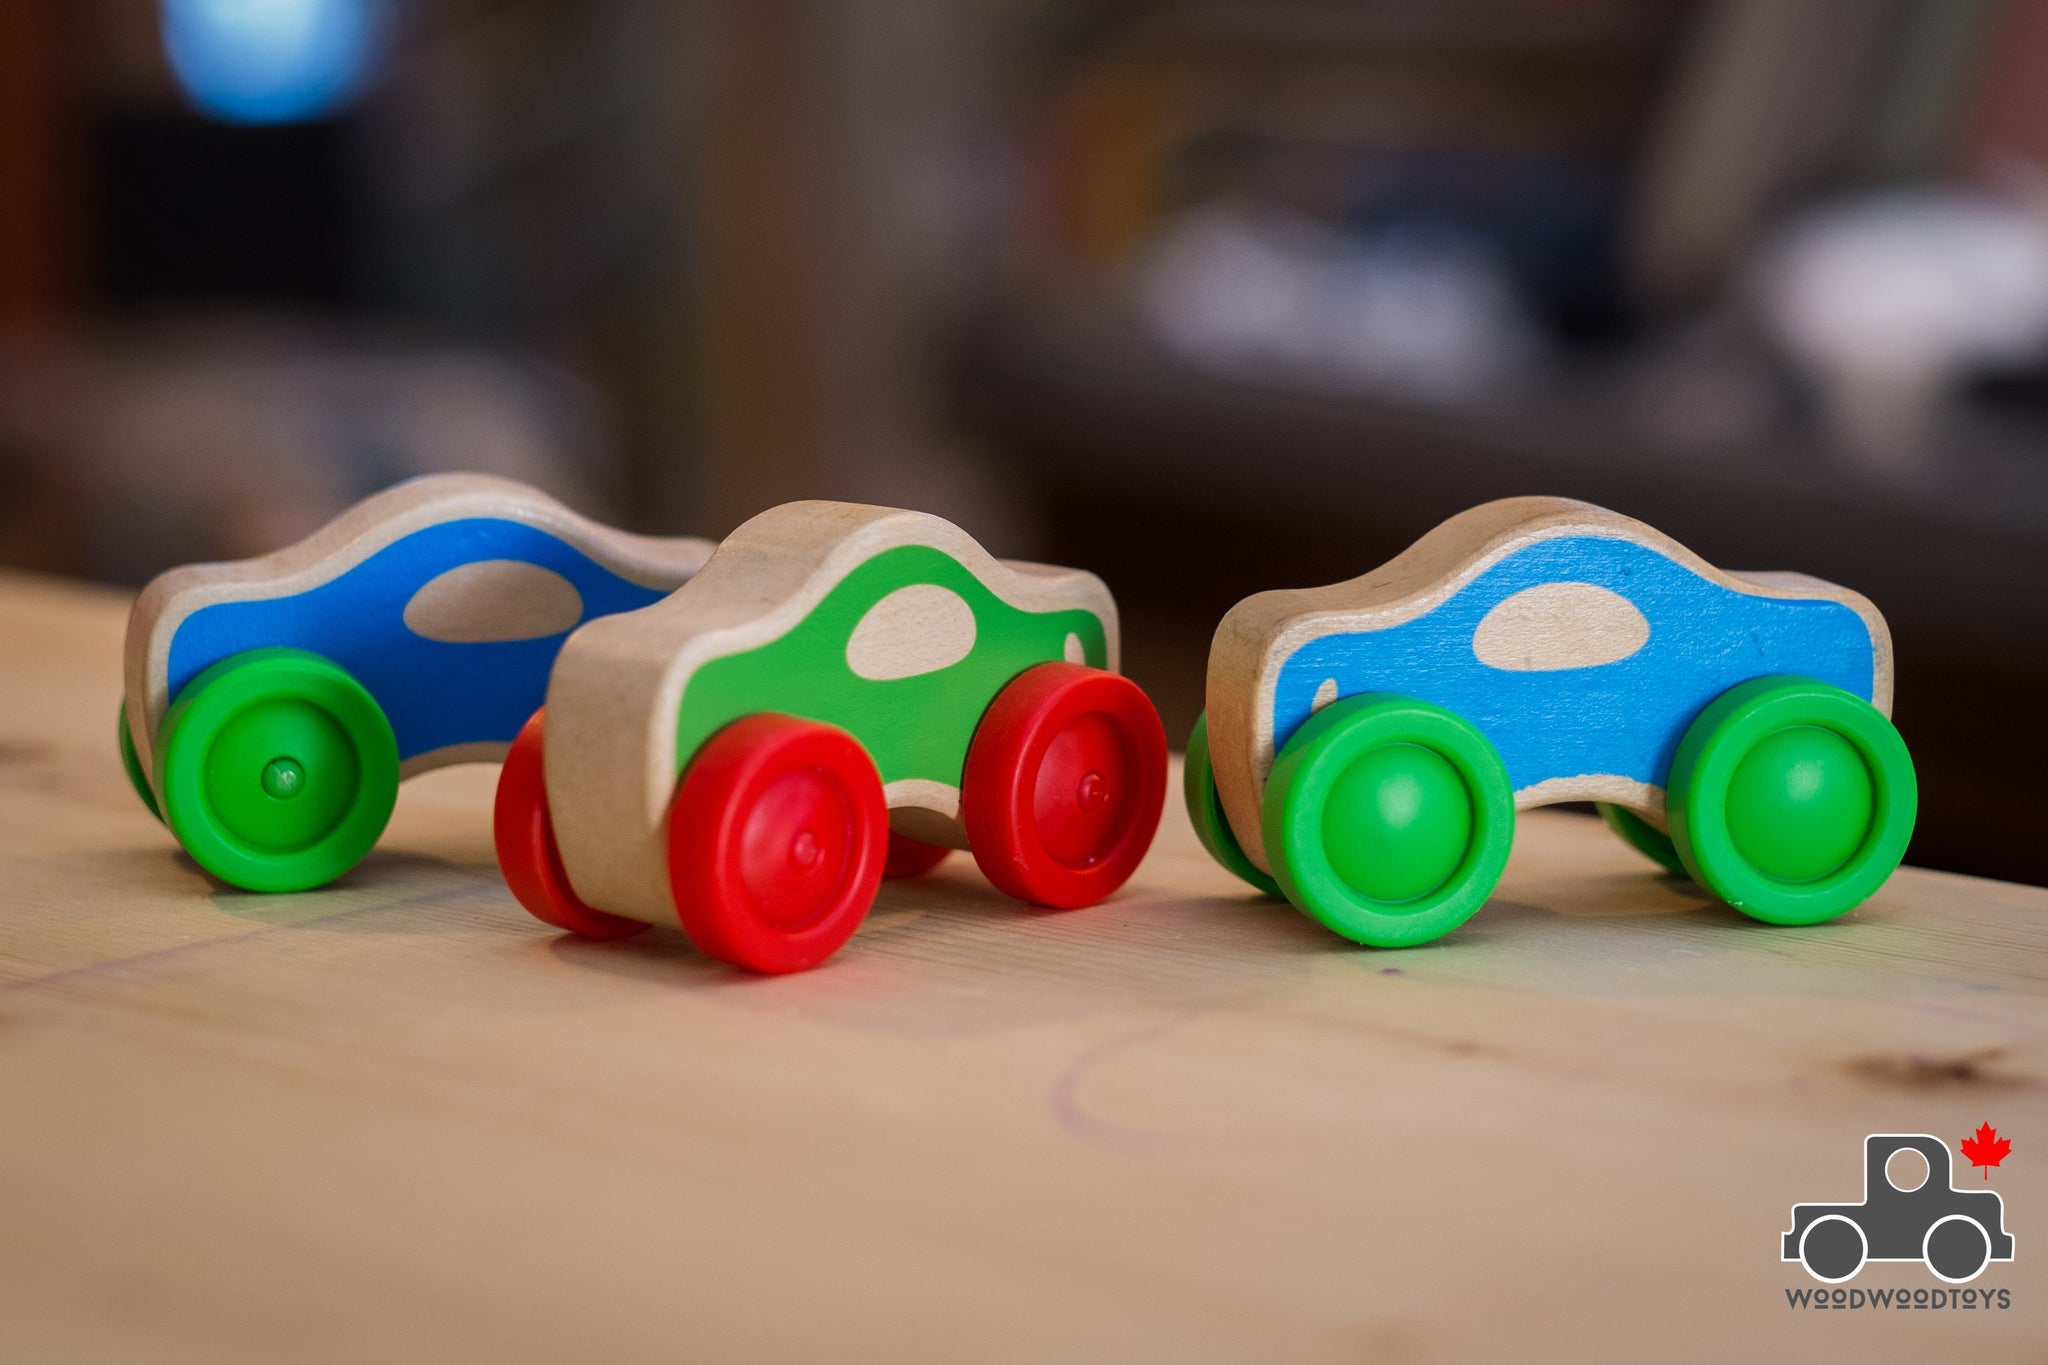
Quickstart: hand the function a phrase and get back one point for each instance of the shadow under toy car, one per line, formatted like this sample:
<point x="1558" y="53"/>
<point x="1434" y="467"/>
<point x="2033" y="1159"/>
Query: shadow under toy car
<point x="1956" y="1232"/>
<point x="1366" y="745"/>
<point x="274" y="704"/>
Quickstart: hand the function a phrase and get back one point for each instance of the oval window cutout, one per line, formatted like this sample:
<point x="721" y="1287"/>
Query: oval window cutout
<point x="919" y="629"/>
<point x="1558" y="626"/>
<point x="493" y="600"/>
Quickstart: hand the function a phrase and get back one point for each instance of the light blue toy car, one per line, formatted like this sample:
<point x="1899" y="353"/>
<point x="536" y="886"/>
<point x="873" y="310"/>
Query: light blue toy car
<point x="1366" y="745"/>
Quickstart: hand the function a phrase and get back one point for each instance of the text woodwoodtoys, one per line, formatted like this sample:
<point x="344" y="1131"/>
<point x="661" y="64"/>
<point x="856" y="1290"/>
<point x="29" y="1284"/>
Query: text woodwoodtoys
<point x="1366" y="745"/>
<point x="841" y="693"/>
<point x="274" y="704"/>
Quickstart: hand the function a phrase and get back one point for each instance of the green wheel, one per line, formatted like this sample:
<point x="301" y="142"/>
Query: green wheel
<point x="1791" y="799"/>
<point x="132" y="765"/>
<point x="279" y="770"/>
<point x="1644" y="837"/>
<point x="1388" y="820"/>
<point x="1205" y="812"/>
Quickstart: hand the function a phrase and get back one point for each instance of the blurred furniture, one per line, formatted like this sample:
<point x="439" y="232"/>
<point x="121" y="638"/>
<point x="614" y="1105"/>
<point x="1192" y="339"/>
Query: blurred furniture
<point x="194" y="440"/>
<point x="41" y="273"/>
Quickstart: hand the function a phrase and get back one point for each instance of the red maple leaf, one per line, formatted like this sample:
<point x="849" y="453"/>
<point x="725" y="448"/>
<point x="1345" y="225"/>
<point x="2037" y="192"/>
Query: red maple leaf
<point x="1987" y="1149"/>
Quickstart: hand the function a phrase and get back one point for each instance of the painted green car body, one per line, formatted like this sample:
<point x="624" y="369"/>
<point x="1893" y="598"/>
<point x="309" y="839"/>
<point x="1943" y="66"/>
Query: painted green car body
<point x="915" y="725"/>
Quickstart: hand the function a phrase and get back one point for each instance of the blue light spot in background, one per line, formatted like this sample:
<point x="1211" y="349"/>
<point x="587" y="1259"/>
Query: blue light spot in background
<point x="272" y="61"/>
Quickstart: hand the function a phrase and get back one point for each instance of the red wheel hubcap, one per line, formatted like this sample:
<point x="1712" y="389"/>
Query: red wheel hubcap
<point x="1064" y="785"/>
<point x="776" y="842"/>
<point x="1082" y="796"/>
<point x="793" y="848"/>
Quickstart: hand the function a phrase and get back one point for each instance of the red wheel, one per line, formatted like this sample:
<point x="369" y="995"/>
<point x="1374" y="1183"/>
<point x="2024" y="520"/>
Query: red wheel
<point x="909" y="858"/>
<point x="525" y="838"/>
<point x="1065" y="781"/>
<point x="776" y="842"/>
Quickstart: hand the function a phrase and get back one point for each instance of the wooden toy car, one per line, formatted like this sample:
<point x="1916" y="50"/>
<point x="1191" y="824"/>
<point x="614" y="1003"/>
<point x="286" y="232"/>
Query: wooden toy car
<point x="279" y="701"/>
<point x="842" y="693"/>
<point x="1366" y="745"/>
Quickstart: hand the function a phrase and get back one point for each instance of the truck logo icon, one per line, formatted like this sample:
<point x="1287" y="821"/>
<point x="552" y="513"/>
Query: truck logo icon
<point x="1956" y="1232"/>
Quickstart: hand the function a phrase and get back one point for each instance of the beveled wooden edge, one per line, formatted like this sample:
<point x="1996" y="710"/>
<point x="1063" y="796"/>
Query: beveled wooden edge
<point x="365" y="528"/>
<point x="1259" y="634"/>
<point x="617" y="688"/>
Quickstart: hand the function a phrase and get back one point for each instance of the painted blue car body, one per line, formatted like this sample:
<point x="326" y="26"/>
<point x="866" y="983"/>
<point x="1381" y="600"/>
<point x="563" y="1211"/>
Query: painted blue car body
<point x="437" y="694"/>
<point x="1622" y="718"/>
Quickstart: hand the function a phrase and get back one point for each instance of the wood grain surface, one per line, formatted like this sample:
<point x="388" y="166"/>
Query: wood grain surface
<point x="398" y="1120"/>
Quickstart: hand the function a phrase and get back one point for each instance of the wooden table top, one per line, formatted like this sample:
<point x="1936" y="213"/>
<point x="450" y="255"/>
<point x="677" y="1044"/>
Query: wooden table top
<point x="398" y="1120"/>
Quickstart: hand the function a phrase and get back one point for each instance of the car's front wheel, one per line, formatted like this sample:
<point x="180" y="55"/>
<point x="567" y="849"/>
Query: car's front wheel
<point x="278" y="769"/>
<point x="1791" y="799"/>
<point x="1388" y="819"/>
<point x="776" y="842"/>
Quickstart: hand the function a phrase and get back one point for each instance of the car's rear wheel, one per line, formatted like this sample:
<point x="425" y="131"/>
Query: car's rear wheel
<point x="911" y="857"/>
<point x="1205" y="813"/>
<point x="131" y="763"/>
<point x="1064" y="785"/>
<point x="523" y="832"/>
<point x="1957" y="1248"/>
<point x="776" y="842"/>
<point x="279" y="770"/>
<point x="1388" y="819"/>
<point x="1791" y="799"/>
<point x="1642" y="836"/>
<point x="1832" y="1248"/>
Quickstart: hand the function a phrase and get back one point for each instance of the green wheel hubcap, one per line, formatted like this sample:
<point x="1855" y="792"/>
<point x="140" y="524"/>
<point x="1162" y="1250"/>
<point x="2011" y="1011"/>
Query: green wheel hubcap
<point x="280" y="770"/>
<point x="1388" y="819"/>
<point x="1799" y="803"/>
<point x="256" y="772"/>
<point x="1792" y="799"/>
<point x="1205" y="812"/>
<point x="1397" y="822"/>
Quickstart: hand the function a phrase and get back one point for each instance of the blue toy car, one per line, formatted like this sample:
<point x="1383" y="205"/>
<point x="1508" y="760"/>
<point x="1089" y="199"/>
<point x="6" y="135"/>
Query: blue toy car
<point x="274" y="704"/>
<point x="1366" y="745"/>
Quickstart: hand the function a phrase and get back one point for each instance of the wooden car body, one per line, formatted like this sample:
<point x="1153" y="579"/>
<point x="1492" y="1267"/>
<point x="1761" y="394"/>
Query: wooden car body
<point x="894" y="626"/>
<point x="447" y="597"/>
<point x="1579" y="641"/>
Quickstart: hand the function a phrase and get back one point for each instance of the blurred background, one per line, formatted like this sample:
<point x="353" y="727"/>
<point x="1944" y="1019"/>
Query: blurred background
<point x="1209" y="296"/>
